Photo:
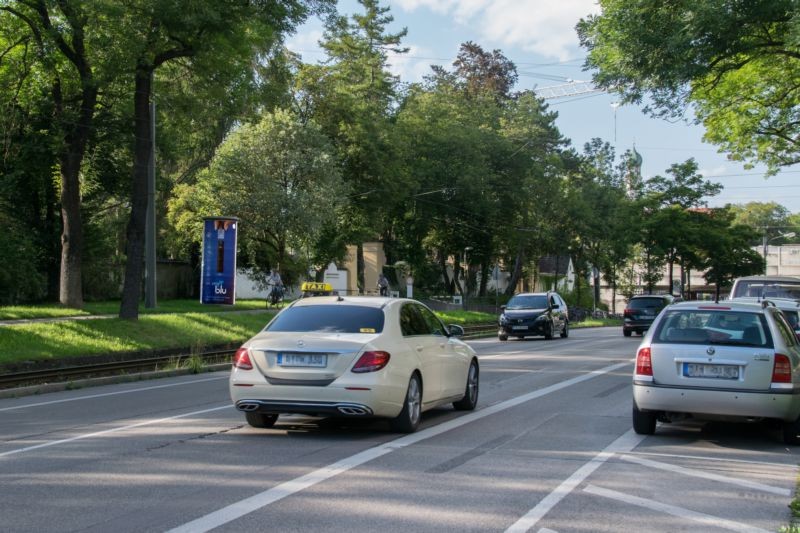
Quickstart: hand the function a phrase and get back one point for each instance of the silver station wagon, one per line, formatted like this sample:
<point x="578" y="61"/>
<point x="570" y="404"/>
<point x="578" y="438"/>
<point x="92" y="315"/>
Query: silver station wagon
<point x="718" y="361"/>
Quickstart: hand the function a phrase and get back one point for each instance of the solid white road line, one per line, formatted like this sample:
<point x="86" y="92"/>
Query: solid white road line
<point x="108" y="431"/>
<point x="104" y="394"/>
<point x="243" y="507"/>
<point x="624" y="443"/>
<point x="707" y="475"/>
<point x="680" y="512"/>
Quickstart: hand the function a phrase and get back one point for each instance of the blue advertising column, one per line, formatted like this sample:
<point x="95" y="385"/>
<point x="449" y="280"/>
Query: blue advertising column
<point x="217" y="285"/>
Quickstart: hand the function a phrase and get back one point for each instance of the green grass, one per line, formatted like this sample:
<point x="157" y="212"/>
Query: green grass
<point x="15" y="312"/>
<point x="597" y="323"/>
<point x="189" y="324"/>
<point x="47" y="341"/>
<point x="466" y="317"/>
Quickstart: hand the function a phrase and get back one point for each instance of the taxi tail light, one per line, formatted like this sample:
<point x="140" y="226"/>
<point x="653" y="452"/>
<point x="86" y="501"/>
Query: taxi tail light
<point x="644" y="366"/>
<point x="371" y="361"/>
<point x="782" y="369"/>
<point x="242" y="359"/>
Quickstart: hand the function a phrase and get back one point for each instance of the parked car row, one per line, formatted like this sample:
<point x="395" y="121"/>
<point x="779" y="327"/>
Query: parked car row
<point x="392" y="358"/>
<point x="734" y="360"/>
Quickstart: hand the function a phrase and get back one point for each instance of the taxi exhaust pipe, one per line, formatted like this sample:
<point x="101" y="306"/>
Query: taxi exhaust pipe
<point x="352" y="411"/>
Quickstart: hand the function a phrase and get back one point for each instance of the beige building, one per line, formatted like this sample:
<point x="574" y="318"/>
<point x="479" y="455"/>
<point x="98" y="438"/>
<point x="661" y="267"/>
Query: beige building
<point x="781" y="261"/>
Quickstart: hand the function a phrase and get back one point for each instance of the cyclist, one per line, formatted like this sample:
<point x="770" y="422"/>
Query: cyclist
<point x="383" y="285"/>
<point x="275" y="284"/>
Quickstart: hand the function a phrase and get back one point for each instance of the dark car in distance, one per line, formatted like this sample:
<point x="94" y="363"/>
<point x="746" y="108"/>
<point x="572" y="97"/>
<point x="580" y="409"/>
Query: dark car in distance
<point x="534" y="313"/>
<point x="641" y="310"/>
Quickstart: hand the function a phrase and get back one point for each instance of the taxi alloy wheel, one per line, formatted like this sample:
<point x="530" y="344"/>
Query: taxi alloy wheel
<point x="408" y="419"/>
<point x="470" y="399"/>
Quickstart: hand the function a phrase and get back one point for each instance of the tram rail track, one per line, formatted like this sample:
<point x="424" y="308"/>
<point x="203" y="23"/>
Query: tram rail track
<point x="171" y="361"/>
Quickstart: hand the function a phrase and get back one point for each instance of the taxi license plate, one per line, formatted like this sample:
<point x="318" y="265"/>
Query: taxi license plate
<point x="696" y="370"/>
<point x="302" y="359"/>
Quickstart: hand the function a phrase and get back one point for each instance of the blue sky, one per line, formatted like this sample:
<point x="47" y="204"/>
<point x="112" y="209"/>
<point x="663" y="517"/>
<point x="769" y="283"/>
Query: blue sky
<point x="539" y="37"/>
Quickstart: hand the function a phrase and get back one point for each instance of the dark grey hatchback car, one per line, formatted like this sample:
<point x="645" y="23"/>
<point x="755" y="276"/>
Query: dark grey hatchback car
<point x="534" y="313"/>
<point x="642" y="310"/>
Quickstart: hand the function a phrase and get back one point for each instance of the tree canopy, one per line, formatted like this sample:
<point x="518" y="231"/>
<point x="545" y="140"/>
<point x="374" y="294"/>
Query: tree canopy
<point x="734" y="64"/>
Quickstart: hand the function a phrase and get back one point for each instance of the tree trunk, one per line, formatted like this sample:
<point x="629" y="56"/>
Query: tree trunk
<point x="445" y="276"/>
<point x="670" y="270"/>
<point x="360" y="279"/>
<point x="614" y="290"/>
<point x="134" y="249"/>
<point x="555" y="275"/>
<point x="517" y="272"/>
<point x="484" y="279"/>
<point x="75" y="141"/>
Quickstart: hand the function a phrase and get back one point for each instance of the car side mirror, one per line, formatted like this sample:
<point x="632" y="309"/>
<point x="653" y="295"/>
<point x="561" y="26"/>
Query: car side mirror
<point x="455" y="330"/>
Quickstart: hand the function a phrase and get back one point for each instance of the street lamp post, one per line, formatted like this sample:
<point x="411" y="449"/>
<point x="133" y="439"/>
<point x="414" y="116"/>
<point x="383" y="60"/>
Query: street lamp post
<point x="766" y="242"/>
<point x="466" y="276"/>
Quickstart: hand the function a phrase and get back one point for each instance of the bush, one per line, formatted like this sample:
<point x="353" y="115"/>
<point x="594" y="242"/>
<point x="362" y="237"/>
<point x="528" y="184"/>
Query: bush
<point x="20" y="281"/>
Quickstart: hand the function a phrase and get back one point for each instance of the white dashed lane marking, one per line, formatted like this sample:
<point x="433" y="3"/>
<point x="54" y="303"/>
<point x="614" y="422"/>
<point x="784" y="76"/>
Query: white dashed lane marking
<point x="680" y="512"/>
<point x="707" y="475"/>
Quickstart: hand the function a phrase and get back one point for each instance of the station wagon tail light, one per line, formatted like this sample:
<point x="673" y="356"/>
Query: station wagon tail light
<point x="782" y="369"/>
<point x="371" y="361"/>
<point x="644" y="366"/>
<point x="242" y="359"/>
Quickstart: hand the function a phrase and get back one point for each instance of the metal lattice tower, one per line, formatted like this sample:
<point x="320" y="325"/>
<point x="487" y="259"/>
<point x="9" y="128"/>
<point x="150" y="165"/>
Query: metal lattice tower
<point x="573" y="88"/>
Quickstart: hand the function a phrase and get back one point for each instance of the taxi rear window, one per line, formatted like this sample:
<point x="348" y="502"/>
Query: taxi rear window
<point x="328" y="319"/>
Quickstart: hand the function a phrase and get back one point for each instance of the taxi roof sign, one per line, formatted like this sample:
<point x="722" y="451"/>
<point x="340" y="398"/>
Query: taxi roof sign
<point x="316" y="287"/>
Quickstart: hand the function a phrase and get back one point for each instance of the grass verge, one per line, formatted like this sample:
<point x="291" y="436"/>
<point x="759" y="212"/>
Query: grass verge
<point x="597" y="323"/>
<point x="56" y="340"/>
<point x="17" y="312"/>
<point x="47" y="341"/>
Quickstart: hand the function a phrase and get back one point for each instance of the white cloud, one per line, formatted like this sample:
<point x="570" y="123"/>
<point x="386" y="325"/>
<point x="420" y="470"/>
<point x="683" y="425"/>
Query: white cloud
<point x="720" y="170"/>
<point x="306" y="43"/>
<point x="414" y="64"/>
<point x="545" y="27"/>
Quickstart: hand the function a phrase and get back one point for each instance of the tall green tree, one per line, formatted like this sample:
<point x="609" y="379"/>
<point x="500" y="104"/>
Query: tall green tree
<point x="61" y="37"/>
<point x="669" y="223"/>
<point x="735" y="64"/>
<point x="351" y="96"/>
<point x="724" y="250"/>
<point x="281" y="178"/>
<point x="218" y="39"/>
<point x="768" y="219"/>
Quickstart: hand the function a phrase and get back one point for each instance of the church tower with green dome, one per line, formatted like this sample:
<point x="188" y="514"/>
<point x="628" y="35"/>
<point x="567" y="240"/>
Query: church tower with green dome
<point x="633" y="176"/>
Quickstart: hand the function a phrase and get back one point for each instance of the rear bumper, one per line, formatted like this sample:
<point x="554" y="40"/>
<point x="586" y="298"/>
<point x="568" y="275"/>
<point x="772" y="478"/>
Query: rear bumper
<point x="636" y="325"/>
<point x="537" y="328"/>
<point x="374" y="399"/>
<point x="698" y="402"/>
<point x="305" y="408"/>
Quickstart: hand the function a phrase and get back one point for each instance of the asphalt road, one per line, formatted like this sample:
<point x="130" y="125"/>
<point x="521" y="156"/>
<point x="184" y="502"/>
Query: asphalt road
<point x="550" y="448"/>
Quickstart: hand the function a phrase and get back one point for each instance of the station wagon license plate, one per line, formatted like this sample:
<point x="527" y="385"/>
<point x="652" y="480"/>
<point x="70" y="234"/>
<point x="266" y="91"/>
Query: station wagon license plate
<point x="302" y="359"/>
<point x="697" y="370"/>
